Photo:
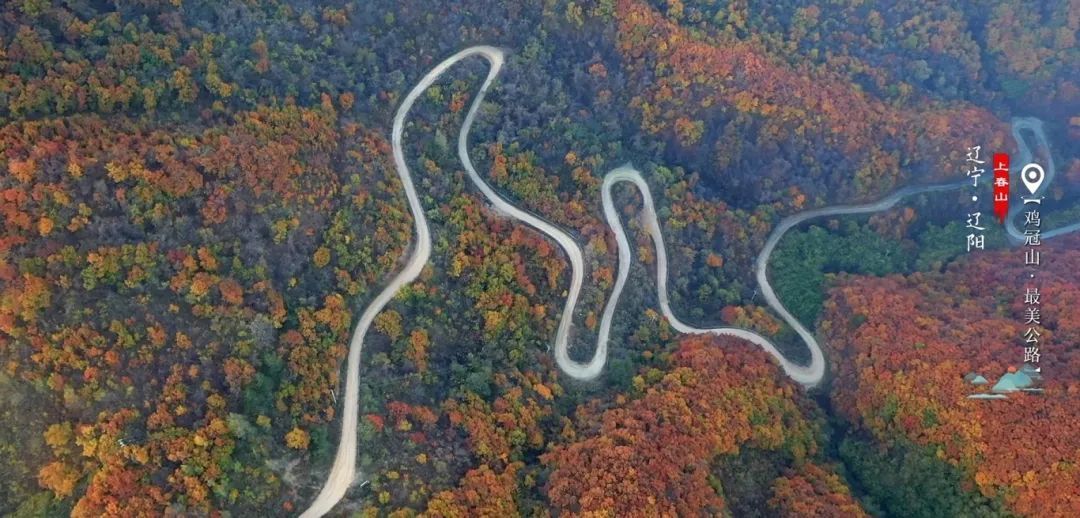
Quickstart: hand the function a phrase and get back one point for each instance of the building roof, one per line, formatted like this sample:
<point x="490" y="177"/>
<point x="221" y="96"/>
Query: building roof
<point x="1012" y="382"/>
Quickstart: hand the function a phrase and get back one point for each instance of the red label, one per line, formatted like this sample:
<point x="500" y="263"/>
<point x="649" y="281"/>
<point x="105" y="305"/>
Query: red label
<point x="1001" y="186"/>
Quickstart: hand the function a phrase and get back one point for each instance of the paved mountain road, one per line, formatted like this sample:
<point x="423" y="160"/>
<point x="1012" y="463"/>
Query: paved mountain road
<point x="343" y="471"/>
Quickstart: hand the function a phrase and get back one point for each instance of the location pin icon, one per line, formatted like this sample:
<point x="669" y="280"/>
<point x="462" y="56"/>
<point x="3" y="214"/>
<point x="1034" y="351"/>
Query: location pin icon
<point x="1032" y="175"/>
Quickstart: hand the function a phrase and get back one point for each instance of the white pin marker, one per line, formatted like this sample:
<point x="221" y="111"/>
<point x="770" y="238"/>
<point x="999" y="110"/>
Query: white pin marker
<point x="1032" y="175"/>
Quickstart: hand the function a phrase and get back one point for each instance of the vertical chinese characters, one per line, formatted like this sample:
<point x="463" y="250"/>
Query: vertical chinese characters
<point x="975" y="238"/>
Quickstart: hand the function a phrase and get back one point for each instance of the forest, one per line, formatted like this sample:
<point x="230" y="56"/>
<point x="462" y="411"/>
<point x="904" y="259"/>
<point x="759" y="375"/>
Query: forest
<point x="199" y="198"/>
<point x="901" y="382"/>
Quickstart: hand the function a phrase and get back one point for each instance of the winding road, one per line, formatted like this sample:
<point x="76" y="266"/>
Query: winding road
<point x="808" y="375"/>
<point x="1016" y="236"/>
<point x="343" y="471"/>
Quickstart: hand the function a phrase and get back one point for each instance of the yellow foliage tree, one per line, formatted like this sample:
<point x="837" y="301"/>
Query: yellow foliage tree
<point x="45" y="226"/>
<point x="322" y="257"/>
<point x="58" y="478"/>
<point x="297" y="439"/>
<point x="389" y="323"/>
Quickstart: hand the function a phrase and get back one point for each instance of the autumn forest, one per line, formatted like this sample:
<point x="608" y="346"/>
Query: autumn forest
<point x="199" y="199"/>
